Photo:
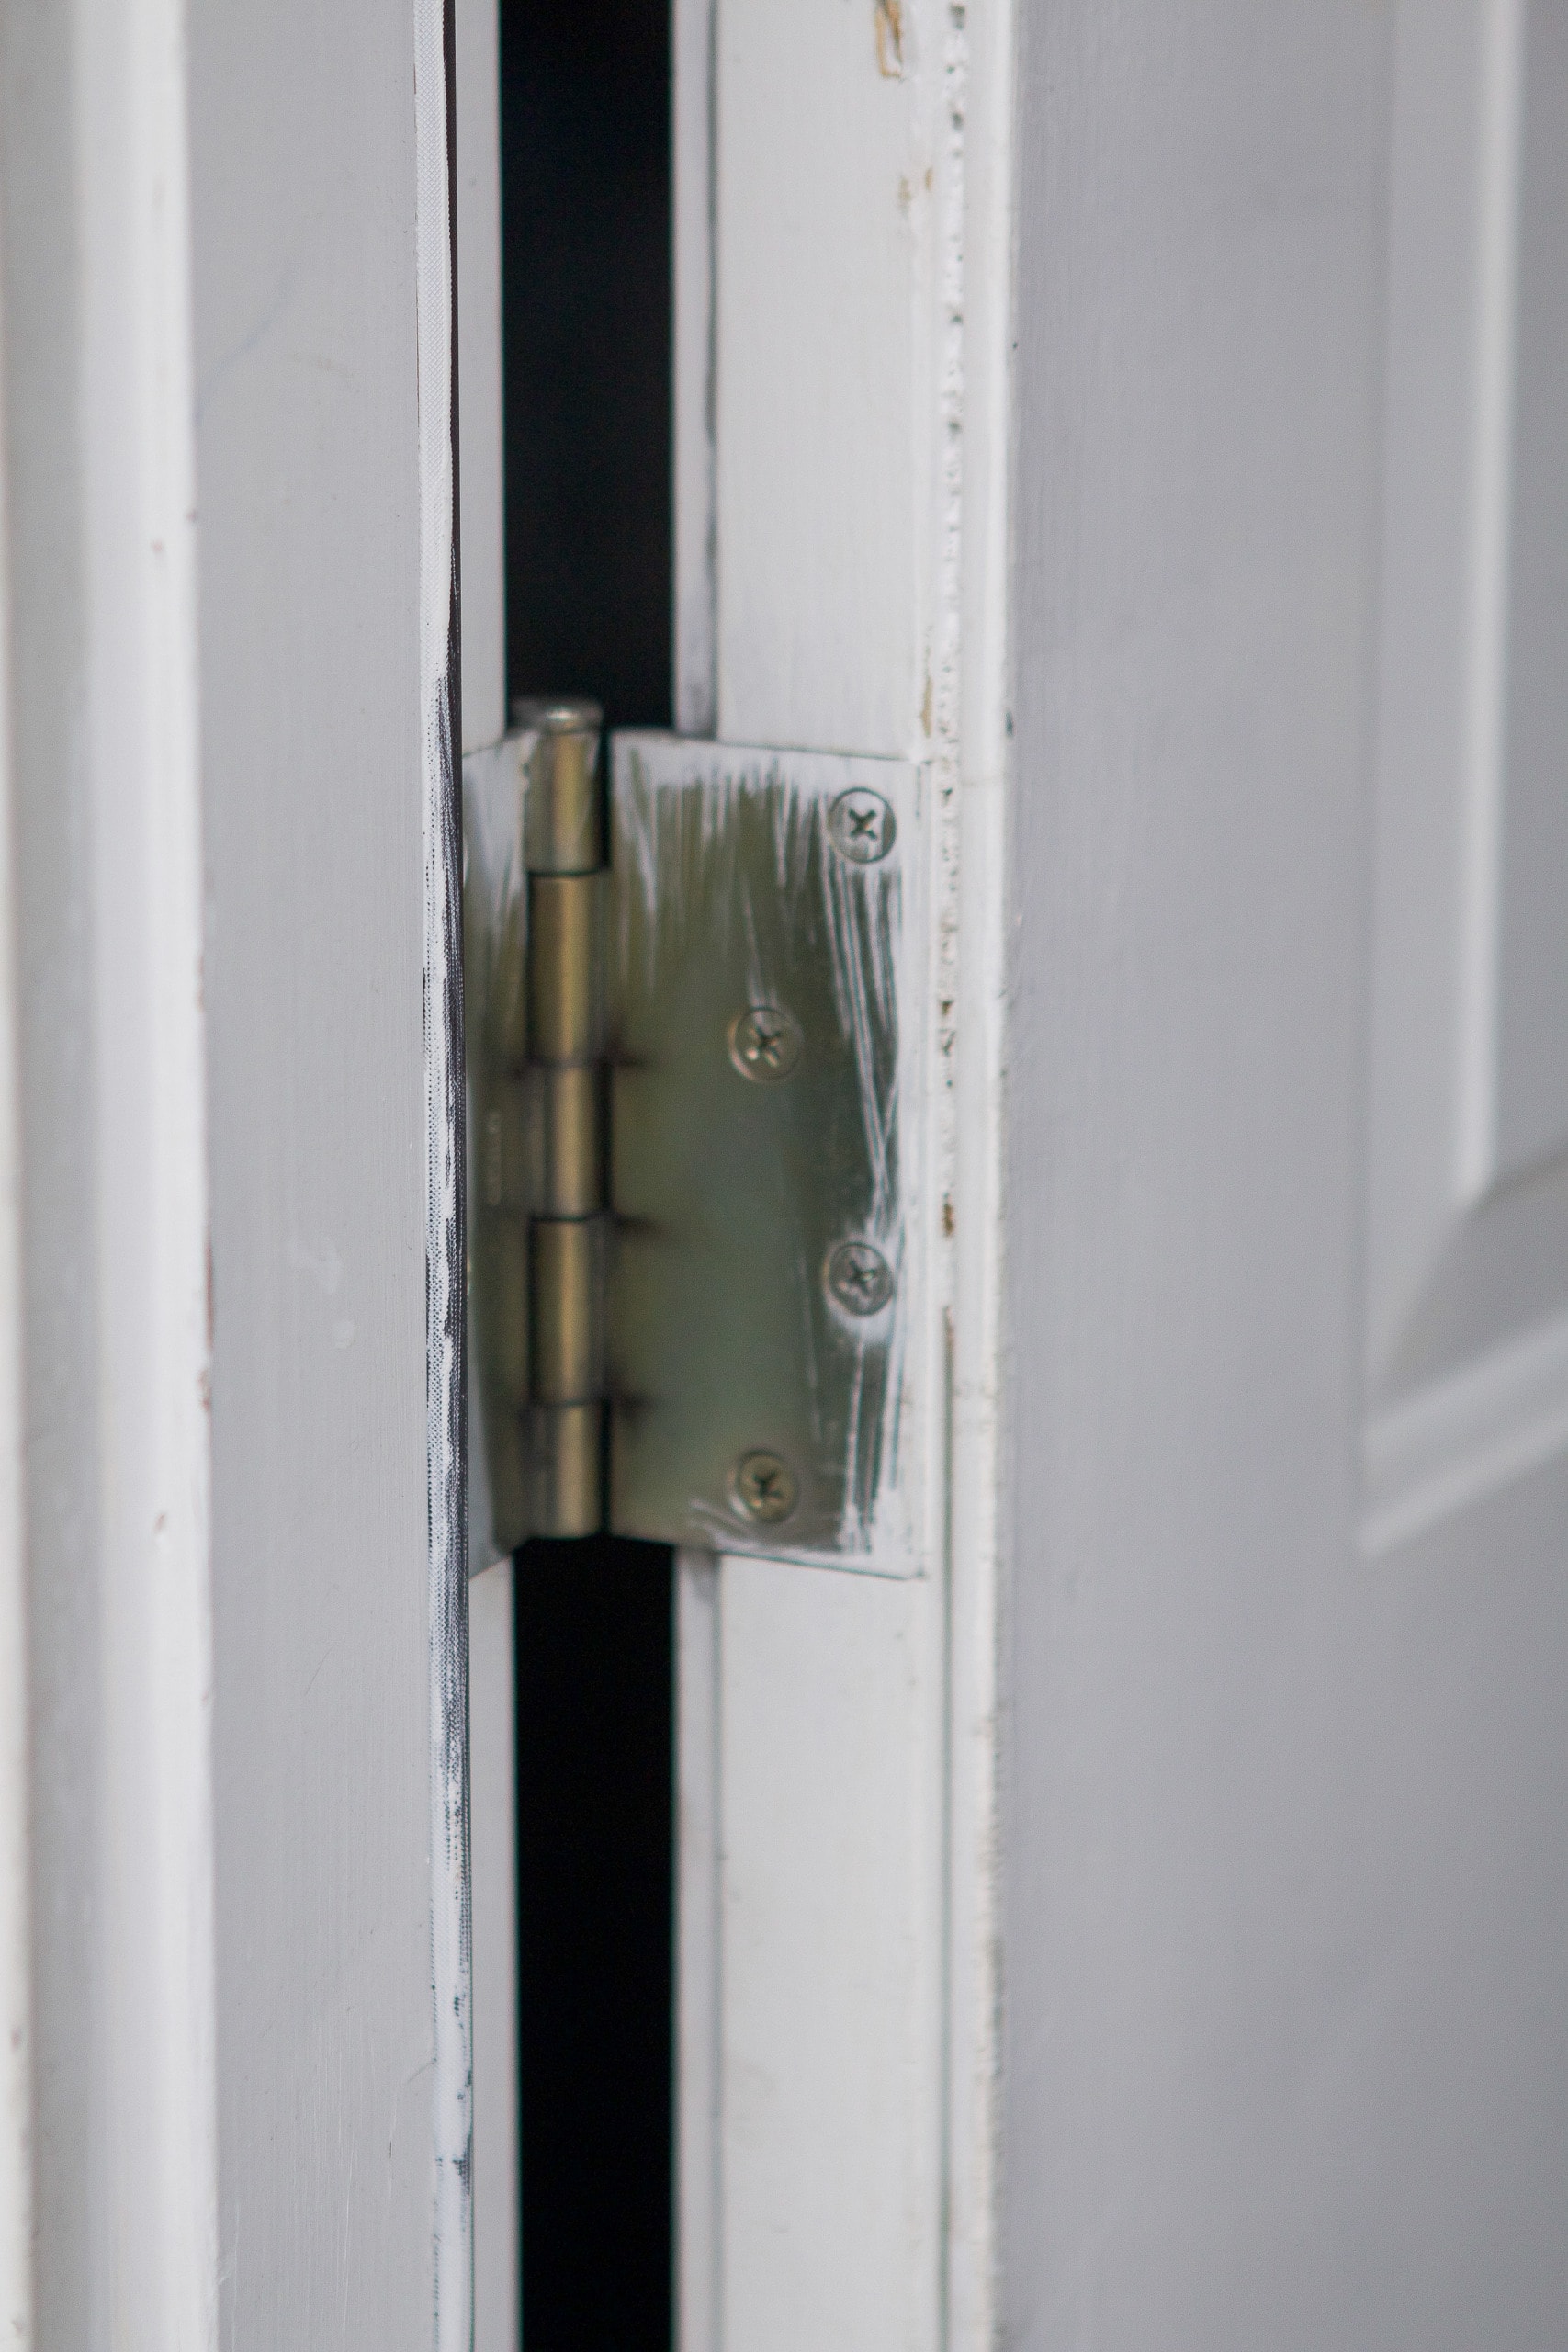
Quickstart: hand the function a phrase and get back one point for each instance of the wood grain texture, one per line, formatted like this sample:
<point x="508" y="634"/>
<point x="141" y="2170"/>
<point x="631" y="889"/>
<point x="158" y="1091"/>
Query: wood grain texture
<point x="303" y="131"/>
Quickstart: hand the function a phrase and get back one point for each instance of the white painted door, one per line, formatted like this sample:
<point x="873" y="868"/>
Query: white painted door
<point x="1142" y="1924"/>
<point x="1286" y="1869"/>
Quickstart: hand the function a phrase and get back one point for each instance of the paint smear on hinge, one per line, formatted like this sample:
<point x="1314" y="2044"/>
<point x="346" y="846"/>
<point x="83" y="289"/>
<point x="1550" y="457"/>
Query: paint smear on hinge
<point x="741" y="886"/>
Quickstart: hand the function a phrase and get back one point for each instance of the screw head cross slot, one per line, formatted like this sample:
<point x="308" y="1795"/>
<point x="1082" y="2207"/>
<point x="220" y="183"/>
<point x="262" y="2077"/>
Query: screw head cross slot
<point x="860" y="1278"/>
<point x="860" y="825"/>
<point x="765" y="1487"/>
<point x="765" y="1042"/>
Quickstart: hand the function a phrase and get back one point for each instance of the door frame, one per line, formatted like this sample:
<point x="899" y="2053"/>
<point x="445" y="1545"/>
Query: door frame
<point x="889" y="2046"/>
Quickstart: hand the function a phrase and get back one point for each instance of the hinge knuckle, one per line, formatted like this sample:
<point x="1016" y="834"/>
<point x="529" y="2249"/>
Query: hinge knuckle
<point x="563" y="852"/>
<point x="565" y="1446"/>
<point x="540" y="1146"/>
<point x="565" y="1140"/>
<point x="564" y="969"/>
<point x="568" y="1310"/>
<point x="563" y="812"/>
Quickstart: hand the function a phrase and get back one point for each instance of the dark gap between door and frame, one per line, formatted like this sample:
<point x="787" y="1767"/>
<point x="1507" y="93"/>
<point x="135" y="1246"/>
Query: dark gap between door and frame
<point x="587" y="318"/>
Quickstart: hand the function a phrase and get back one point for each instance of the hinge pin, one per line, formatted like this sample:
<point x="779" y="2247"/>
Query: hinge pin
<point x="561" y="1116"/>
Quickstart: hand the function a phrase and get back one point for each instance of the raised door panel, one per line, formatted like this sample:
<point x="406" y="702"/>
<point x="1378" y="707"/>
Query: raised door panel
<point x="1467" y="1277"/>
<point x="1531" y="1076"/>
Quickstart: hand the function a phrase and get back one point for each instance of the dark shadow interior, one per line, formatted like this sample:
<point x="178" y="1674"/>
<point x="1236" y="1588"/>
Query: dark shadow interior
<point x="585" y="168"/>
<point x="585" y="172"/>
<point x="594" y="1771"/>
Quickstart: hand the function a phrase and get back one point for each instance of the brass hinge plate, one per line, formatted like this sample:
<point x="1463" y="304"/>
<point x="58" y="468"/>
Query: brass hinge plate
<point x="762" y="1039"/>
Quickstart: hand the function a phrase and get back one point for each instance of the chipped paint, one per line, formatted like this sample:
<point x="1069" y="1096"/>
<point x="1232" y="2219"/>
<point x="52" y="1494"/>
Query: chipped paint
<point x="495" y="912"/>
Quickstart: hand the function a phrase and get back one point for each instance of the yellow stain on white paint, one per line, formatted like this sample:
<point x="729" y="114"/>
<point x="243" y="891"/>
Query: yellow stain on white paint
<point x="890" y="40"/>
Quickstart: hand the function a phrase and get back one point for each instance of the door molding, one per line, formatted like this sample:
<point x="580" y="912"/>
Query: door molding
<point x="1466" y="1349"/>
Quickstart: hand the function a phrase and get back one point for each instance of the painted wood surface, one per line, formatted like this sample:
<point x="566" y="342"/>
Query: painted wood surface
<point x="1467" y="1271"/>
<point x="46" y="672"/>
<point x="493" y="1756"/>
<point x="693" y="25"/>
<point x="826" y="123"/>
<point x="446" y="1239"/>
<point x="492" y="1800"/>
<point x="157" y="1863"/>
<point x="848" y="2195"/>
<point x="213" y="731"/>
<point x="1287" y="1878"/>
<point x="16" y="2053"/>
<point x="830" y="1919"/>
<point x="315" y="557"/>
<point x="699" y="2069"/>
<point x="476" y="133"/>
<point x="106" y="999"/>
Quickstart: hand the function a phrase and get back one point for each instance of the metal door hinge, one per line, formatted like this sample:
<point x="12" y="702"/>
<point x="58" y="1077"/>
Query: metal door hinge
<point x="693" y="1049"/>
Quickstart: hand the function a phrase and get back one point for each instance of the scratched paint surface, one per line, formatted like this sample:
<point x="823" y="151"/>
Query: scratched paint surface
<point x="770" y="884"/>
<point x="732" y="896"/>
<point x="495" y="913"/>
<point x="451" y="1924"/>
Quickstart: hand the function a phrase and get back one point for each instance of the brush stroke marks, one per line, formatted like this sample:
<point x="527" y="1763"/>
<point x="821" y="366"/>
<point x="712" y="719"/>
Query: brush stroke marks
<point x="730" y="896"/>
